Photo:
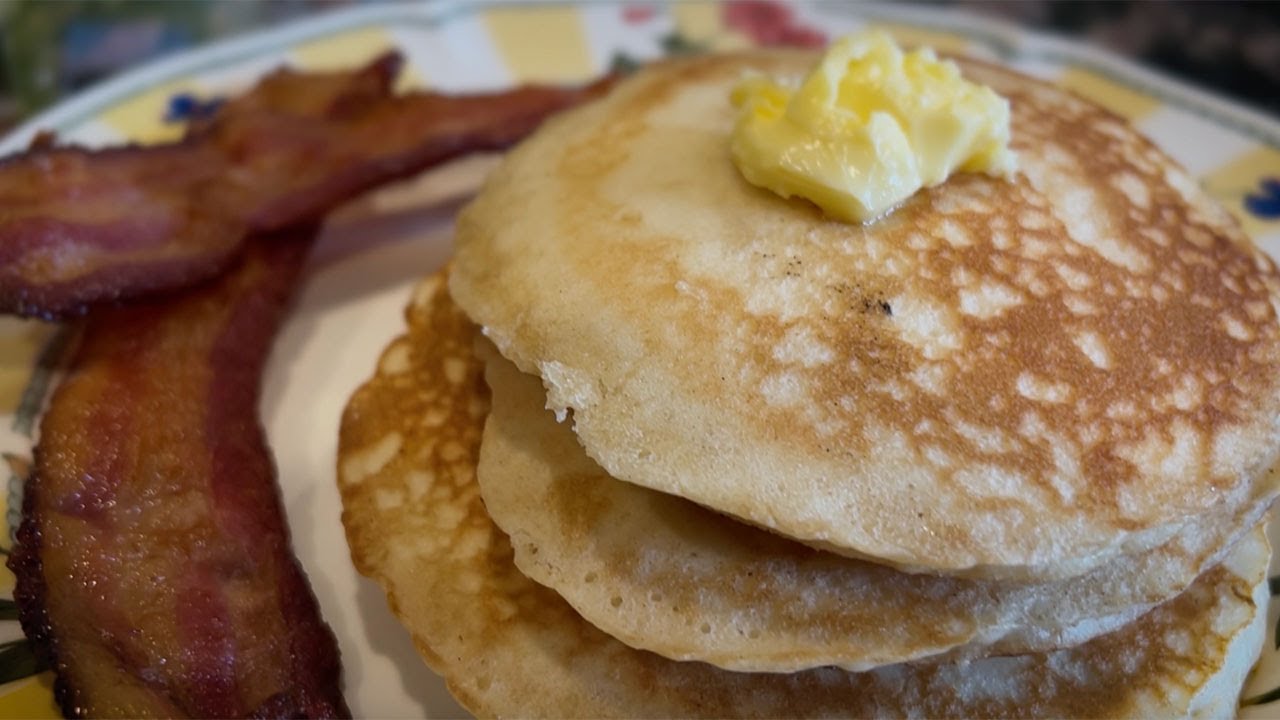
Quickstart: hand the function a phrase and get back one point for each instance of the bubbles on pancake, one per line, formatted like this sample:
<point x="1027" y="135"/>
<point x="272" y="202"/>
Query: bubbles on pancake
<point x="1094" y="348"/>
<point x="395" y="359"/>
<point x="928" y="326"/>
<point x="800" y="346"/>
<point x="1155" y="235"/>
<point x="991" y="481"/>
<point x="1187" y="394"/>
<point x="1134" y="188"/>
<point x="931" y="378"/>
<point x="370" y="461"/>
<point x="1075" y="278"/>
<point x="988" y="440"/>
<point x="1033" y="219"/>
<point x="988" y="299"/>
<point x="1236" y="329"/>
<point x="955" y="234"/>
<point x="1034" y="387"/>
<point x="782" y="390"/>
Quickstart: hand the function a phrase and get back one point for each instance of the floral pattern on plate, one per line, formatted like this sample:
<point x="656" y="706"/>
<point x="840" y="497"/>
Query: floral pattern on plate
<point x="457" y="46"/>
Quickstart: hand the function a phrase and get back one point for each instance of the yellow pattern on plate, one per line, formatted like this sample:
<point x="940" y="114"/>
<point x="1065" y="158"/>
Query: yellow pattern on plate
<point x="350" y="49"/>
<point x="19" y="348"/>
<point x="30" y="698"/>
<point x="541" y="44"/>
<point x="1238" y="178"/>
<point x="141" y="117"/>
<point x="702" y="23"/>
<point x="1109" y="94"/>
<point x="912" y="37"/>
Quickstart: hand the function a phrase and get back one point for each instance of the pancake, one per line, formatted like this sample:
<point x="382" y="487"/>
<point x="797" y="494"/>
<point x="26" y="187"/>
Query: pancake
<point x="508" y="646"/>
<point x="1020" y="379"/>
<point x="665" y="575"/>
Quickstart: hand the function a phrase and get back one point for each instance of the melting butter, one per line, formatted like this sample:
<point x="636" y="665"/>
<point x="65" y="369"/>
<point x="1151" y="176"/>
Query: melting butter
<point x="868" y="127"/>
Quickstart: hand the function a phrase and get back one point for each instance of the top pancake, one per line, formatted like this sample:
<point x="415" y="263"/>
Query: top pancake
<point x="1016" y="379"/>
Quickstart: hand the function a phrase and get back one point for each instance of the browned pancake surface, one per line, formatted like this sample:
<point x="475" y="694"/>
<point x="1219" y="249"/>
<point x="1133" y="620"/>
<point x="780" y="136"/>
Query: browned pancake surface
<point x="509" y="647"/>
<point x="1016" y="378"/>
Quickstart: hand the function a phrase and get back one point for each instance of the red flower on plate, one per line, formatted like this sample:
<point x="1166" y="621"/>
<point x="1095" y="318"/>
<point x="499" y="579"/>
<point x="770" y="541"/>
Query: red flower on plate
<point x="636" y="13"/>
<point x="770" y="24"/>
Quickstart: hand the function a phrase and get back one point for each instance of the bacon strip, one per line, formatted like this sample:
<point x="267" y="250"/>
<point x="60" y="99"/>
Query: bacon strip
<point x="80" y="227"/>
<point x="153" y="560"/>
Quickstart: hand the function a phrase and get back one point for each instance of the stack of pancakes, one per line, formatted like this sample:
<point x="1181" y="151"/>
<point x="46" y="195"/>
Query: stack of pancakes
<point x="665" y="444"/>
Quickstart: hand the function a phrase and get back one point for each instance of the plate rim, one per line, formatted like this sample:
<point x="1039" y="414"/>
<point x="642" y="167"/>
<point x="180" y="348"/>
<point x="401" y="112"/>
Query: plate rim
<point x="1008" y="40"/>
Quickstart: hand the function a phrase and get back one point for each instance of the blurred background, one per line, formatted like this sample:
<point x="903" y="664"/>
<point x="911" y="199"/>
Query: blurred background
<point x="49" y="49"/>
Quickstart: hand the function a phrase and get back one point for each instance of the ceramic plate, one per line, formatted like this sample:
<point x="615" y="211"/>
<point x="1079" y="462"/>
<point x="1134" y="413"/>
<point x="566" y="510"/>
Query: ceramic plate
<point x="351" y="305"/>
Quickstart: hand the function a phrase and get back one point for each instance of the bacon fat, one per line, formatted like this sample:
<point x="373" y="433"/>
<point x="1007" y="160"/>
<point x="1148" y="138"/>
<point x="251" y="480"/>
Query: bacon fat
<point x="153" y="560"/>
<point x="80" y="227"/>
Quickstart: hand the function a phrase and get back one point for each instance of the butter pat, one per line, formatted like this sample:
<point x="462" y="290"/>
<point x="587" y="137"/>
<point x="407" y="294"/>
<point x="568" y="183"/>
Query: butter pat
<point x="868" y="127"/>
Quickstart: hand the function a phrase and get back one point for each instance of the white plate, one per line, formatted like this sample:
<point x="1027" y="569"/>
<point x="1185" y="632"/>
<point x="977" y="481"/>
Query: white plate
<point x="373" y="251"/>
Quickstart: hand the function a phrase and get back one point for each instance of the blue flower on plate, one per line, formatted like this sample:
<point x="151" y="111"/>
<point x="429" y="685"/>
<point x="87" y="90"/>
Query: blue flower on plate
<point x="1266" y="202"/>
<point x="185" y="107"/>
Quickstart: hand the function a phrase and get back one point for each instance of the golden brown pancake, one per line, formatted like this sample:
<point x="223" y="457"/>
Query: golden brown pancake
<point x="1017" y="379"/>
<point x="663" y="574"/>
<point x="510" y="647"/>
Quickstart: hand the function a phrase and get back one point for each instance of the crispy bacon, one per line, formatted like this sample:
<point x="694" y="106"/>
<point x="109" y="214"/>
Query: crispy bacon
<point x="79" y="227"/>
<point x="153" y="560"/>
